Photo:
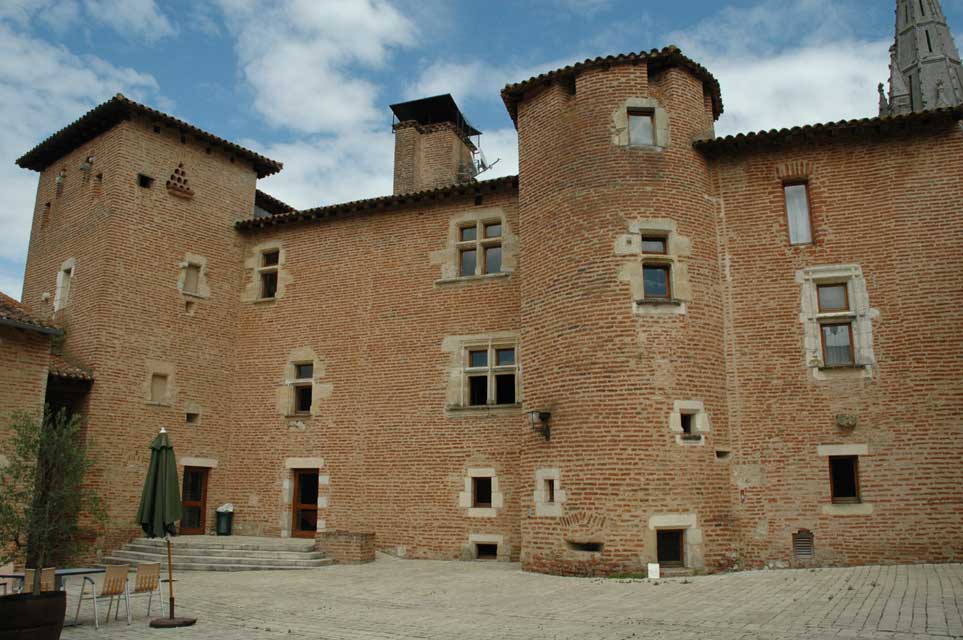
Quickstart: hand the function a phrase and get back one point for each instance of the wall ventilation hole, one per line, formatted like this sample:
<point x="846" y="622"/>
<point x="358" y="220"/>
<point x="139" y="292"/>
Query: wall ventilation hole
<point x="486" y="551"/>
<point x="189" y="307"/>
<point x="156" y="129"/>
<point x="144" y="182"/>
<point x="722" y="454"/>
<point x="192" y="418"/>
<point x="588" y="547"/>
<point x="803" y="546"/>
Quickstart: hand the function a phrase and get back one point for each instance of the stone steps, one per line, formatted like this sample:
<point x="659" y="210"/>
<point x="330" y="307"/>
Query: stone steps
<point x="234" y="553"/>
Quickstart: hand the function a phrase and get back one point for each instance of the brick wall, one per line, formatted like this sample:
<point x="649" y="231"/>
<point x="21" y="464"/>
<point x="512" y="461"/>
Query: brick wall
<point x="347" y="547"/>
<point x="24" y="357"/>
<point x="890" y="203"/>
<point x="429" y="156"/>
<point x="126" y="313"/>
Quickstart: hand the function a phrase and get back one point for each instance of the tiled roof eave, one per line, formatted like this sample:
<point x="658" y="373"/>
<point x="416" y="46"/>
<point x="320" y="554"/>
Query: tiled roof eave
<point x="116" y="110"/>
<point x="383" y="203"/>
<point x="31" y="326"/>
<point x="805" y="133"/>
<point x="669" y="56"/>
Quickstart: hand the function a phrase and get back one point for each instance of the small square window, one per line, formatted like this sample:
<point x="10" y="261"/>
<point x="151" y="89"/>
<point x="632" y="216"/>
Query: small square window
<point x="493" y="230"/>
<point x="655" y="279"/>
<point x="493" y="260"/>
<point x="686" y="420"/>
<point x="192" y="279"/>
<point x="477" y="391"/>
<point x="838" y="344"/>
<point x="467" y="234"/>
<point x="832" y="297"/>
<point x="653" y="244"/>
<point x="158" y="387"/>
<point x="550" y="490"/>
<point x="641" y="128"/>
<point x="486" y="551"/>
<point x="477" y="359"/>
<point x="192" y="418"/>
<point x="505" y="357"/>
<point x="844" y="479"/>
<point x="269" y="284"/>
<point x="302" y="399"/>
<point x="304" y="371"/>
<point x="270" y="258"/>
<point x="481" y="492"/>
<point x="797" y="212"/>
<point x="670" y="547"/>
<point x="505" y="388"/>
<point x="145" y="182"/>
<point x="467" y="261"/>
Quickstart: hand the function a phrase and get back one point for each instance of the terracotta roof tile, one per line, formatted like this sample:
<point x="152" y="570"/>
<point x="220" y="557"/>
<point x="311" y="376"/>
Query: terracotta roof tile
<point x="15" y="314"/>
<point x="271" y="204"/>
<point x="119" y="108"/>
<point x="813" y="131"/>
<point x="382" y="203"/>
<point x="61" y="368"/>
<point x="657" y="59"/>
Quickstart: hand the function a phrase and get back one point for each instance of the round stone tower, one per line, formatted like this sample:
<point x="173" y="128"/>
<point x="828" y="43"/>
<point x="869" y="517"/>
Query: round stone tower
<point x="622" y="318"/>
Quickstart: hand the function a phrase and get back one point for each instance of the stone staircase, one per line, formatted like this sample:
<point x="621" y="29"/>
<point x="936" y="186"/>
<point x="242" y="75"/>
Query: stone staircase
<point x="223" y="553"/>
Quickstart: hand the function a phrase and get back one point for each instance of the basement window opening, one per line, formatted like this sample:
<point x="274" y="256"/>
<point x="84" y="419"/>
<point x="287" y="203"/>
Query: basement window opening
<point x="586" y="547"/>
<point x="485" y="551"/>
<point x="481" y="492"/>
<point x="145" y="182"/>
<point x="803" y="547"/>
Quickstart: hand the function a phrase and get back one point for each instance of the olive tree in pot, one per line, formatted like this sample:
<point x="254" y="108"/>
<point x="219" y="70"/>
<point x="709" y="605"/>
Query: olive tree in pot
<point x="44" y="503"/>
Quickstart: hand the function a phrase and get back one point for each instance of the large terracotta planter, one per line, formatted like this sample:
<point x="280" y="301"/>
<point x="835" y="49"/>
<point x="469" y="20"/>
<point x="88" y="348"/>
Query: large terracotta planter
<point x="25" y="616"/>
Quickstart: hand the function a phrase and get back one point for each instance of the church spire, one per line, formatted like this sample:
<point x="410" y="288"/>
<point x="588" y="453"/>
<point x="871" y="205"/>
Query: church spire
<point x="925" y="68"/>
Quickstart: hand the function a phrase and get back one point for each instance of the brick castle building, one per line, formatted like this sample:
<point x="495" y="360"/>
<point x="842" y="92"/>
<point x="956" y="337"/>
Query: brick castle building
<point x="651" y="344"/>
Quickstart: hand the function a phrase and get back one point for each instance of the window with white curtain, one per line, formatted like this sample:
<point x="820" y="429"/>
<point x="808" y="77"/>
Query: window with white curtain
<point x="797" y="212"/>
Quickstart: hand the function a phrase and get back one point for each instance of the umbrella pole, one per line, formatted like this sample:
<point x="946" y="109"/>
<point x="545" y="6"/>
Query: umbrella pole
<point x="170" y="579"/>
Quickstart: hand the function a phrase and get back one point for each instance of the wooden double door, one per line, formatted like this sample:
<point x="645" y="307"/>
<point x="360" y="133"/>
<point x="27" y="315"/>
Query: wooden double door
<point x="194" y="501"/>
<point x="304" y="505"/>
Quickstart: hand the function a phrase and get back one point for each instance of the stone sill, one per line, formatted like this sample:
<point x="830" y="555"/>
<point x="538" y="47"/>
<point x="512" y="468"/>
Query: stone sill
<point x="195" y="296"/>
<point x="848" y="509"/>
<point x="467" y="279"/>
<point x="646" y="147"/>
<point x="487" y="410"/>
<point x="674" y="302"/>
<point x="154" y="403"/>
<point x="263" y="300"/>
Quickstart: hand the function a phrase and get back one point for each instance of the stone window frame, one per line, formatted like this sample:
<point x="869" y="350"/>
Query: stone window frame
<point x="203" y="287"/>
<point x="480" y="244"/>
<point x="619" y="125"/>
<point x="490" y="371"/>
<point x="544" y="508"/>
<point x="503" y="553"/>
<point x="449" y="258"/>
<point x="465" y="497"/>
<point x="700" y="422"/>
<point x="253" y="264"/>
<point x="860" y="316"/>
<point x="678" y="249"/>
<point x="287" y="491"/>
<point x="320" y="391"/>
<point x="65" y="284"/>
<point x="156" y="368"/>
<point x="693" y="557"/>
<point x="457" y="394"/>
<point x="859" y="451"/>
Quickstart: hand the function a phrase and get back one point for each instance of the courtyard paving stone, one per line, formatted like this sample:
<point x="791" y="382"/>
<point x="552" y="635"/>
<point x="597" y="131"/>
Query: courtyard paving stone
<point x="394" y="598"/>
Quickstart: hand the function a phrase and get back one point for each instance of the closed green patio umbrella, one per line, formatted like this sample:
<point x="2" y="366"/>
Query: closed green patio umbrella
<point x="160" y="508"/>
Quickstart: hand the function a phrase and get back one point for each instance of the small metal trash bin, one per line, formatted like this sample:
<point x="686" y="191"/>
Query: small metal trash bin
<point x="225" y="520"/>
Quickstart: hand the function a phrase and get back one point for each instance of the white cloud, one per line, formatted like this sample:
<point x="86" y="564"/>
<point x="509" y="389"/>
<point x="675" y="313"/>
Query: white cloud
<point x="135" y="19"/>
<point x="582" y="6"/>
<point x="42" y="88"/>
<point x="822" y="73"/>
<point x="301" y="58"/>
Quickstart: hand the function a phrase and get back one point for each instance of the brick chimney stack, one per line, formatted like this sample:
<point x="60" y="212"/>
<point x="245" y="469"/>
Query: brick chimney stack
<point x="433" y="146"/>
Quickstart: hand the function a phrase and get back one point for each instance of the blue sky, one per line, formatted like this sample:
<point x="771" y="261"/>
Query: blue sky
<point x="308" y="82"/>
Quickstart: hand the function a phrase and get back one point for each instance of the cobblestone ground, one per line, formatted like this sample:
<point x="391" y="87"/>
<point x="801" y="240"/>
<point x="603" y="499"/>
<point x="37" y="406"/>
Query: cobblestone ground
<point x="467" y="601"/>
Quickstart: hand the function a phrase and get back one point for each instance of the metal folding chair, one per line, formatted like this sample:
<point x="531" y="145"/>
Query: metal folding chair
<point x="147" y="583"/>
<point x="114" y="586"/>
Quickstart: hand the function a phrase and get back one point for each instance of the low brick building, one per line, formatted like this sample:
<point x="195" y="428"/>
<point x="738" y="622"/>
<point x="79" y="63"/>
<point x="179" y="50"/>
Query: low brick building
<point x="653" y="344"/>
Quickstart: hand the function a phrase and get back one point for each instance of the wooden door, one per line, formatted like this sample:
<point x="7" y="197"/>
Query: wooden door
<point x="304" y="506"/>
<point x="194" y="501"/>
